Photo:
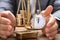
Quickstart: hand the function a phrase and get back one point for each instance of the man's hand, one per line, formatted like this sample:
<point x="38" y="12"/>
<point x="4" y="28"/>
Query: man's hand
<point x="7" y="23"/>
<point x="51" y="25"/>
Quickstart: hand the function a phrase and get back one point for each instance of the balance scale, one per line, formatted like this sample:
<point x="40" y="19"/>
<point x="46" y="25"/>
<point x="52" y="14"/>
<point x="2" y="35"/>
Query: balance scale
<point x="25" y="25"/>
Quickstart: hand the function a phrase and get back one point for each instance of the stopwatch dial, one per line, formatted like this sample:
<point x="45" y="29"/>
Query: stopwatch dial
<point x="38" y="22"/>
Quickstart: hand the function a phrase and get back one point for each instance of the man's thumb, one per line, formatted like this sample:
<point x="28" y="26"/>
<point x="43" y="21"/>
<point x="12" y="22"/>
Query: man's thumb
<point x="48" y="11"/>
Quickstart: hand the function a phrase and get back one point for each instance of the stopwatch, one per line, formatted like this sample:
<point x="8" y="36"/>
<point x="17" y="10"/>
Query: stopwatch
<point x="38" y="21"/>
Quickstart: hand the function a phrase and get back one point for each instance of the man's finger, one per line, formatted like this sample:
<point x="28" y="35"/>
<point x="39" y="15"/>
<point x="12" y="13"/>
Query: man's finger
<point x="3" y="34"/>
<point x="51" y="22"/>
<point x="4" y="21"/>
<point x="9" y="15"/>
<point x="5" y="27"/>
<point x="52" y="34"/>
<point x="3" y="37"/>
<point x="53" y="28"/>
<point x="48" y="11"/>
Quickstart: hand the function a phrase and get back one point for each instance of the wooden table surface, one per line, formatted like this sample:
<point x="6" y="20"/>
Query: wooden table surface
<point x="57" y="37"/>
<point x="40" y="38"/>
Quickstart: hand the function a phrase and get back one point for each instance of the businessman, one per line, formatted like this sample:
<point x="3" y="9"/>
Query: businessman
<point x="8" y="9"/>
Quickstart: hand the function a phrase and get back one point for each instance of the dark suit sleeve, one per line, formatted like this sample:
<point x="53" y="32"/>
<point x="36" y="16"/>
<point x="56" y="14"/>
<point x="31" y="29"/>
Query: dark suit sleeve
<point x="7" y="5"/>
<point x="56" y="12"/>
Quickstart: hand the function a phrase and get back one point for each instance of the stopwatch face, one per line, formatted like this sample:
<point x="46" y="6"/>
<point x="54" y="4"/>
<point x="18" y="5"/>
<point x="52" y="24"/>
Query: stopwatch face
<point x="38" y="21"/>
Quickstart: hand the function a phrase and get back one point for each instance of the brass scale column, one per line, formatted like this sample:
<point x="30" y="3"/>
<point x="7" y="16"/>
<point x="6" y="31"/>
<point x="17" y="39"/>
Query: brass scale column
<point x="28" y="14"/>
<point x="22" y="13"/>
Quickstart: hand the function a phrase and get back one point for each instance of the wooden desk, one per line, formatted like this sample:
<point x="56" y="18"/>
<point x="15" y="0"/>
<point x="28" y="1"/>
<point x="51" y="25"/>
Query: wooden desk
<point x="40" y="38"/>
<point x="57" y="37"/>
